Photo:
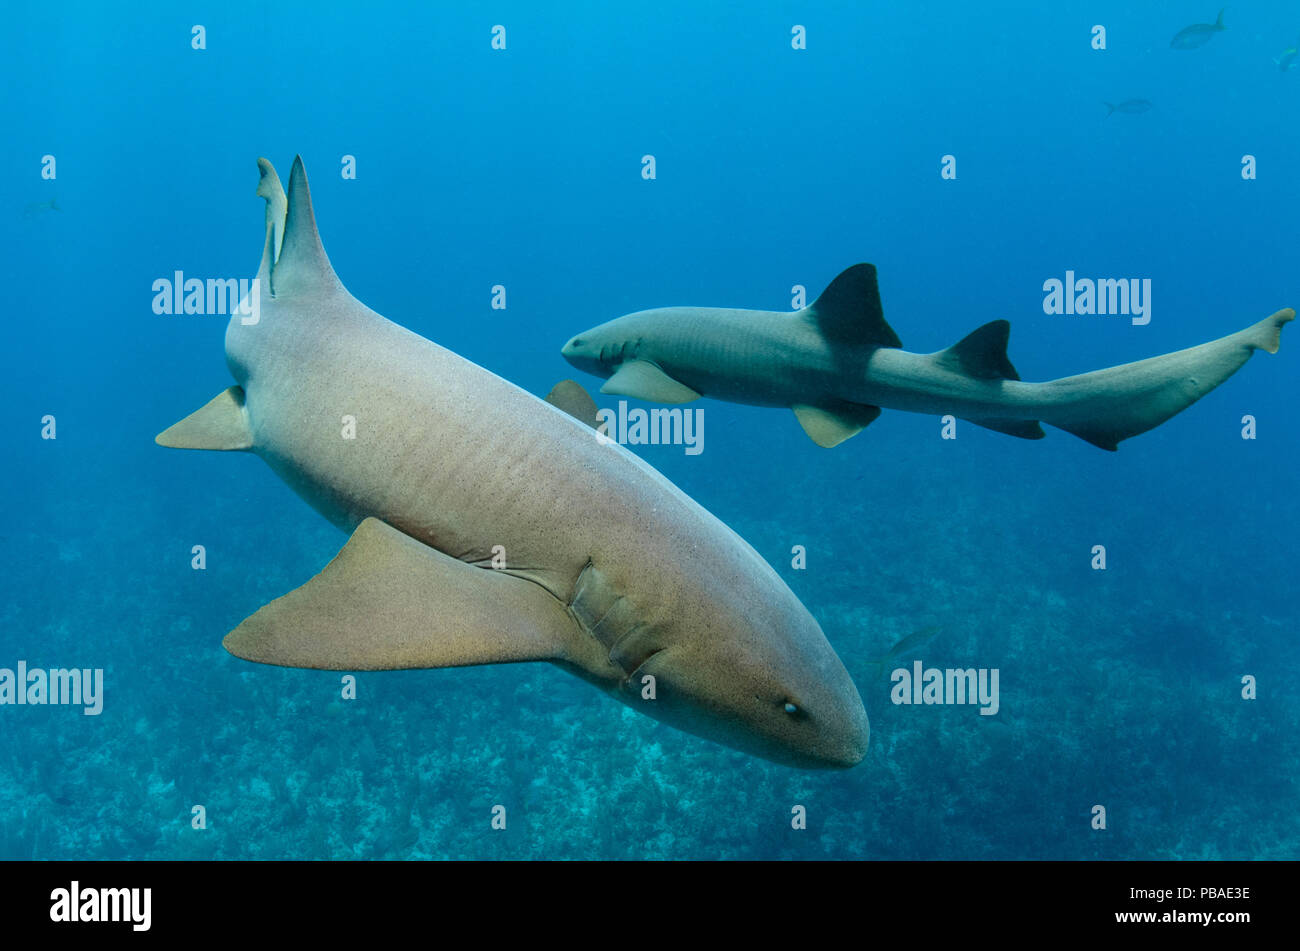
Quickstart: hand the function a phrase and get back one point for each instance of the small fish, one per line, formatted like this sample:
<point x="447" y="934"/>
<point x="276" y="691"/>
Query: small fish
<point x="1288" y="60"/>
<point x="39" y="207"/>
<point x="912" y="642"/>
<point x="1197" y="35"/>
<point x="1132" y="106"/>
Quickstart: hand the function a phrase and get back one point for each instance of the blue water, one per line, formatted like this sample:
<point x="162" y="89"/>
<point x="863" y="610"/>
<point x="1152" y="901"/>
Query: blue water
<point x="775" y="167"/>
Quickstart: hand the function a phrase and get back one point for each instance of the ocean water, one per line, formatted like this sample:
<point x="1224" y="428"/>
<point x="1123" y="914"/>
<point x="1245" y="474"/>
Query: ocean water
<point x="774" y="167"/>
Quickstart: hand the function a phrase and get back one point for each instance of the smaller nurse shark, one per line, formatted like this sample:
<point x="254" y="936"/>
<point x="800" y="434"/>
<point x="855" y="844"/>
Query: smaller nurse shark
<point x="837" y="364"/>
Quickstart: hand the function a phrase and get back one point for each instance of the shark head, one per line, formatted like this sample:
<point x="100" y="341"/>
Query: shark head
<point x="783" y="694"/>
<point x="734" y="657"/>
<point x="629" y="353"/>
<point x="599" y="350"/>
<point x="636" y="336"/>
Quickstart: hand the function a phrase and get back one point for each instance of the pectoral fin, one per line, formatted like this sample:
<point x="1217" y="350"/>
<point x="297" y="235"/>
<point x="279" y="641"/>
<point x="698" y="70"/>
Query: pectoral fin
<point x="389" y="602"/>
<point x="830" y="427"/>
<point x="221" y="423"/>
<point x="645" y="381"/>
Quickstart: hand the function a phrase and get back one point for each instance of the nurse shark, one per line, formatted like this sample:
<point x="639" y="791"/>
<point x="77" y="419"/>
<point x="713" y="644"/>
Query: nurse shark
<point x="837" y="364"/>
<point x="488" y="526"/>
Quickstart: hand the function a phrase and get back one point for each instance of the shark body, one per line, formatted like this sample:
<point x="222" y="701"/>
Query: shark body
<point x="490" y="527"/>
<point x="837" y="364"/>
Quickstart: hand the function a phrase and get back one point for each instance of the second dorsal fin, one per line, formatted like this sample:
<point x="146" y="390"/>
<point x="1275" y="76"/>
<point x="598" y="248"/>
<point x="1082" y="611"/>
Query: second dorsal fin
<point x="982" y="353"/>
<point x="277" y="206"/>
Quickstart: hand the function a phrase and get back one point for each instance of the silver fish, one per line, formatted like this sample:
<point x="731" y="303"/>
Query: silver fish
<point x="1130" y="106"/>
<point x="1197" y="35"/>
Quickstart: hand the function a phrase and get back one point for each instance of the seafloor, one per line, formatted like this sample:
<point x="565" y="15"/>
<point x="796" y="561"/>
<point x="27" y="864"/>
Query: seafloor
<point x="1119" y="688"/>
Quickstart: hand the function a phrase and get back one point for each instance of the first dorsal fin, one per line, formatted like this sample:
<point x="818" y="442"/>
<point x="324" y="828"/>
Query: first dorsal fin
<point x="849" y="311"/>
<point x="982" y="353"/>
<point x="302" y="265"/>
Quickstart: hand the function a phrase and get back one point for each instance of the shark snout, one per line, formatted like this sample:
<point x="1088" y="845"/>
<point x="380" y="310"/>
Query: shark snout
<point x="581" y="353"/>
<point x="851" y="747"/>
<point x="841" y="737"/>
<point x="831" y="732"/>
<point x="842" y="731"/>
<point x="842" y="746"/>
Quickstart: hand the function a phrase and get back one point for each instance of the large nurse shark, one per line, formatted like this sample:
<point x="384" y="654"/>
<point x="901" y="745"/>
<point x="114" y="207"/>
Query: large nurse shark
<point x="837" y="364"/>
<point x="488" y="526"/>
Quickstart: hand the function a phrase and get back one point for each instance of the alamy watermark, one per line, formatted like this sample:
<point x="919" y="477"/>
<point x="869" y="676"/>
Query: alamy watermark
<point x="214" y="297"/>
<point x="675" y="426"/>
<point x="1105" y="296"/>
<point x="76" y="904"/>
<point x="77" y="686"/>
<point x="932" y="685"/>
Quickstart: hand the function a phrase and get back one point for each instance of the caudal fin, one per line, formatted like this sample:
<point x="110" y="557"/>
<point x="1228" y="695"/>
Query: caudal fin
<point x="1108" y="406"/>
<point x="1218" y="23"/>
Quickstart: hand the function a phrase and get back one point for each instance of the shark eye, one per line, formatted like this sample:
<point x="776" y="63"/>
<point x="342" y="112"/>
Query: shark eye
<point x="575" y="342"/>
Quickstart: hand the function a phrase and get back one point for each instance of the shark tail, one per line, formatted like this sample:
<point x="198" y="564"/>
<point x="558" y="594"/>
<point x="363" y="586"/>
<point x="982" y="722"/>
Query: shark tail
<point x="1110" y="108"/>
<point x="1108" y="406"/>
<point x="1218" y="23"/>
